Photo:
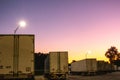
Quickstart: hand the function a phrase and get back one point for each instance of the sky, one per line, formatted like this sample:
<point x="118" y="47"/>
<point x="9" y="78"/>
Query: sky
<point x="76" y="26"/>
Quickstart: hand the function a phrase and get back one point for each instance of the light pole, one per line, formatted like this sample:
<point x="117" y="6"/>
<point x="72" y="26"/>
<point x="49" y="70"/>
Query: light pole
<point x="21" y="24"/>
<point x="88" y="52"/>
<point x="16" y="49"/>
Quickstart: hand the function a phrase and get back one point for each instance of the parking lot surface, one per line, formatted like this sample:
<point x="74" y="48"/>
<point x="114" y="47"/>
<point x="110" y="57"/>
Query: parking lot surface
<point x="108" y="76"/>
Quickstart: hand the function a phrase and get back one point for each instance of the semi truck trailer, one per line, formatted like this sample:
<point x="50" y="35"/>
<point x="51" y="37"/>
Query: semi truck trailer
<point x="91" y="67"/>
<point x="84" y="67"/>
<point x="56" y="65"/>
<point x="16" y="57"/>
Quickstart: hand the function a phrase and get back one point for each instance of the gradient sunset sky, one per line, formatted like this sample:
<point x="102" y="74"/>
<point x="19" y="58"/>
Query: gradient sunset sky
<point x="76" y="26"/>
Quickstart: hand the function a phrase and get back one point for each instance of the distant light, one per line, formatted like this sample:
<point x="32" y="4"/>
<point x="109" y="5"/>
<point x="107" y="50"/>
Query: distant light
<point x="89" y="52"/>
<point x="22" y="23"/>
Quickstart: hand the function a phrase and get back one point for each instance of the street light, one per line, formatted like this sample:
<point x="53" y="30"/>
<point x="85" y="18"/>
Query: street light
<point x="88" y="52"/>
<point x="21" y="24"/>
<point x="16" y="46"/>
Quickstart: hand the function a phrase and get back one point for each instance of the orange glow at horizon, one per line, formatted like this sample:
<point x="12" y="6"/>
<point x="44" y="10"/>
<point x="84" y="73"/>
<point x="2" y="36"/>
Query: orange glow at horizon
<point x="80" y="56"/>
<point x="74" y="54"/>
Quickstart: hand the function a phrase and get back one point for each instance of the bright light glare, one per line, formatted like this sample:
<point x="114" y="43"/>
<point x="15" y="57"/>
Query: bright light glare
<point x="22" y="23"/>
<point x="89" y="52"/>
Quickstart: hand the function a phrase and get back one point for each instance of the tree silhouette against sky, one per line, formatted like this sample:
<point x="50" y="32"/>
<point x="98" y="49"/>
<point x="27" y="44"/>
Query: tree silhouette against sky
<point x="112" y="53"/>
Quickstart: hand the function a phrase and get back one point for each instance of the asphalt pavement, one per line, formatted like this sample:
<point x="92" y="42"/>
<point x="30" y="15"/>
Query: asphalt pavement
<point x="108" y="76"/>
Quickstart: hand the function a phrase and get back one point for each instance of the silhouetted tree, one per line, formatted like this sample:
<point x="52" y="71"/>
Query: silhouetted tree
<point x="117" y="62"/>
<point x="112" y="54"/>
<point x="118" y="56"/>
<point x="39" y="62"/>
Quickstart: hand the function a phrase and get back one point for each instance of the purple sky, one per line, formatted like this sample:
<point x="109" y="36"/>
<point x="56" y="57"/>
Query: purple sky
<point x="76" y="26"/>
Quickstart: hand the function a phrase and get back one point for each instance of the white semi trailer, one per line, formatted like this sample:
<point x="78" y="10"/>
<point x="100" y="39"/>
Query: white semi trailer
<point x="56" y="66"/>
<point x="85" y="67"/>
<point x="16" y="57"/>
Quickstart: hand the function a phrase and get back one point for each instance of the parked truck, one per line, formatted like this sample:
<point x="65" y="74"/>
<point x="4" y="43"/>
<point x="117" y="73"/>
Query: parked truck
<point x="56" y="66"/>
<point x="91" y="67"/>
<point x="101" y="67"/>
<point x="84" y="67"/>
<point x="16" y="57"/>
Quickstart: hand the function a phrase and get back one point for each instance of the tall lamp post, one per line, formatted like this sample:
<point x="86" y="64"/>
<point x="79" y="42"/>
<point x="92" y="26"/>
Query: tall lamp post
<point x="16" y="49"/>
<point x="21" y="24"/>
<point x="88" y="52"/>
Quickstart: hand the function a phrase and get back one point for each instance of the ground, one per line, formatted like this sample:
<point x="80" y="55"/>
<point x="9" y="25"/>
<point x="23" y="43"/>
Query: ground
<point x="108" y="76"/>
